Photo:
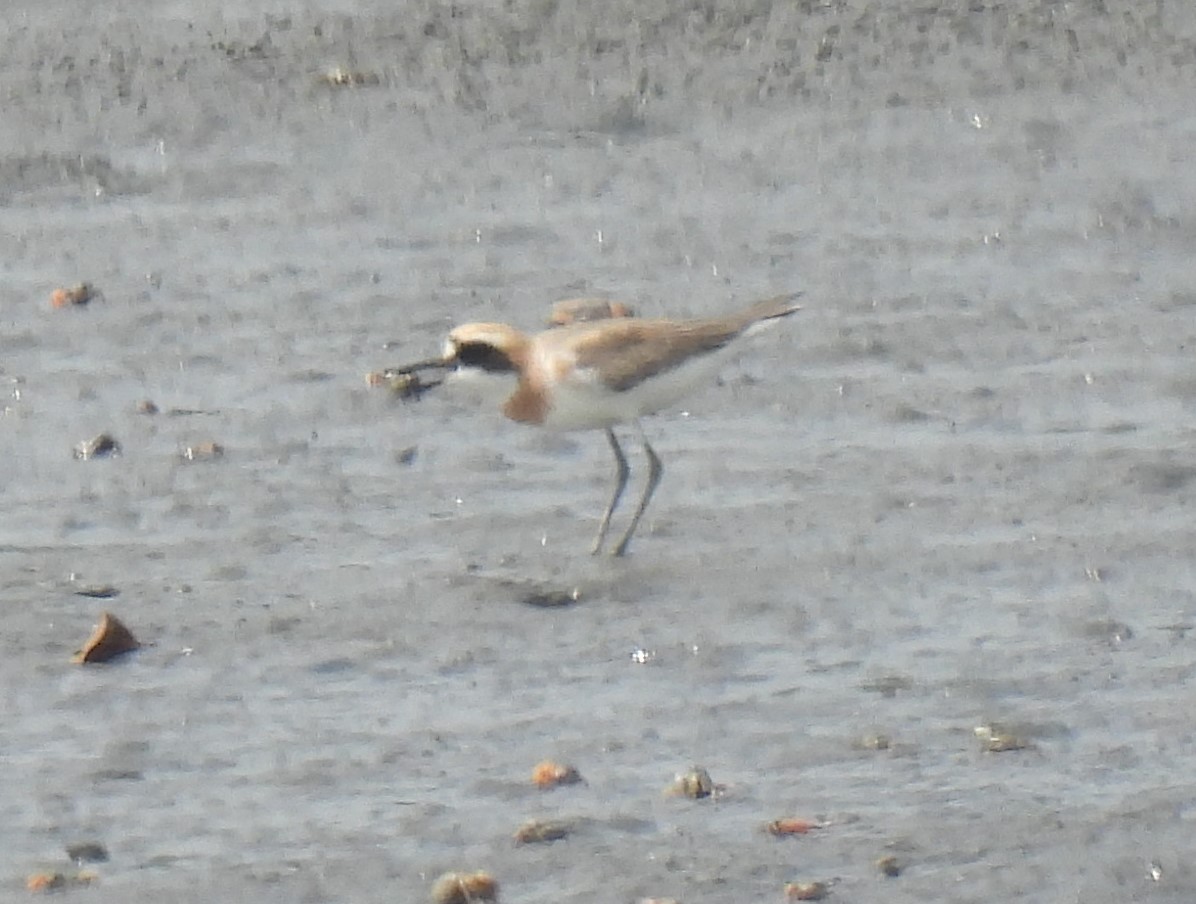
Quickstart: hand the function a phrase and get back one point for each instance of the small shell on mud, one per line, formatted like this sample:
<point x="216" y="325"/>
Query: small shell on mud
<point x="581" y="310"/>
<point x="100" y="446"/>
<point x="696" y="784"/>
<point x="889" y="865"/>
<point x="550" y="774"/>
<point x="401" y="384"/>
<point x="806" y="891"/>
<point x="998" y="739"/>
<point x="544" y="596"/>
<point x="874" y="742"/>
<point x="537" y="831"/>
<point x="782" y="827"/>
<point x="206" y="451"/>
<point x="109" y="639"/>
<point x="340" y="77"/>
<point x="464" y="888"/>
<point x="75" y="296"/>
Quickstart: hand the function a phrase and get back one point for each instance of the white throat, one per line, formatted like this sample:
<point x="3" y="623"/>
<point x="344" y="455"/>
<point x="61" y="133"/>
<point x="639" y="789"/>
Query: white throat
<point x="475" y="386"/>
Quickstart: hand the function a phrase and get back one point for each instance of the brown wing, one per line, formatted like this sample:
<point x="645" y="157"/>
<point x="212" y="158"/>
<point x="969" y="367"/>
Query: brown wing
<point x="628" y="352"/>
<point x="636" y="350"/>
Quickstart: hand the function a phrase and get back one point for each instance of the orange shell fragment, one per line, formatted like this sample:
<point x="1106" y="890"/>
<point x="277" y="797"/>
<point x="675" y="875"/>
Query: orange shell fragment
<point x="791" y="826"/>
<point x="464" y="888"/>
<point x="45" y="881"/>
<point x="549" y="774"/>
<point x="110" y="639"/>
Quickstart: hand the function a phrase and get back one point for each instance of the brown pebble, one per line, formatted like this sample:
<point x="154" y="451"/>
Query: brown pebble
<point x="146" y="406"/>
<point x="537" y="831"/>
<point x="889" y="866"/>
<point x="550" y="774"/>
<point x="100" y="446"/>
<point x="75" y="296"/>
<point x="464" y="888"/>
<point x="806" y="891"/>
<point x="110" y="639"/>
<point x="582" y="310"/>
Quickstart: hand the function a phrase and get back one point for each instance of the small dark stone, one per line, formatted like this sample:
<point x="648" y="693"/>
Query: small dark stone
<point x="87" y="852"/>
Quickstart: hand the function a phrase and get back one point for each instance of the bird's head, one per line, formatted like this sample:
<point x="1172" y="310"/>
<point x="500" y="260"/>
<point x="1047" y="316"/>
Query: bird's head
<point x="482" y="359"/>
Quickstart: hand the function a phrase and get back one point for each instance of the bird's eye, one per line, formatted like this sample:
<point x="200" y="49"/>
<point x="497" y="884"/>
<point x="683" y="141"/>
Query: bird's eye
<point x="484" y="356"/>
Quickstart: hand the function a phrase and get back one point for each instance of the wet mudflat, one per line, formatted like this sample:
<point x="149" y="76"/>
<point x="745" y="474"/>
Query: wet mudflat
<point x="954" y="493"/>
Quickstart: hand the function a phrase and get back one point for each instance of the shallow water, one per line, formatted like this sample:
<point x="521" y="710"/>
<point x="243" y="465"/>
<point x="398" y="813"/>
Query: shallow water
<point x="956" y="489"/>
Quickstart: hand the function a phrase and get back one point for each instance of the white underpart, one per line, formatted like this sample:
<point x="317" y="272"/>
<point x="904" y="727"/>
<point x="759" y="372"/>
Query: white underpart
<point x="474" y="386"/>
<point x="583" y="402"/>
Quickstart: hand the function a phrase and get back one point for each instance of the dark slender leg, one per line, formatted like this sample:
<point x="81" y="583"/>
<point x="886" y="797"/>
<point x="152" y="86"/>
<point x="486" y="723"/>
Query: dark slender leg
<point x="655" y="470"/>
<point x="621" y="472"/>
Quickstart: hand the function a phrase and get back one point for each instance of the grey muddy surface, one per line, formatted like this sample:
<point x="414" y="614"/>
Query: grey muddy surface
<point x="957" y="489"/>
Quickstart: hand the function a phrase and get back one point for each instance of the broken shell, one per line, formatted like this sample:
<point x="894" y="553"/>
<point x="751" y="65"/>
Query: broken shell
<point x="550" y="774"/>
<point x="75" y="296"/>
<point x="998" y="739"/>
<point x="464" y="888"/>
<point x="806" y="891"/>
<point x="110" y="639"/>
<point x="537" y="831"/>
<point x="98" y="447"/>
<point x="339" y="77"/>
<point x="696" y="783"/>
<point x="404" y="384"/>
<point x="781" y="827"/>
<point x="1003" y="743"/>
<point x="203" y="452"/>
<point x="582" y="310"/>
<point x="889" y="866"/>
<point x="874" y="742"/>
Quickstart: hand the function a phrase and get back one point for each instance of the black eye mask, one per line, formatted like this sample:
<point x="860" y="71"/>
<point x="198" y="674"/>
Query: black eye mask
<point x="484" y="356"/>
